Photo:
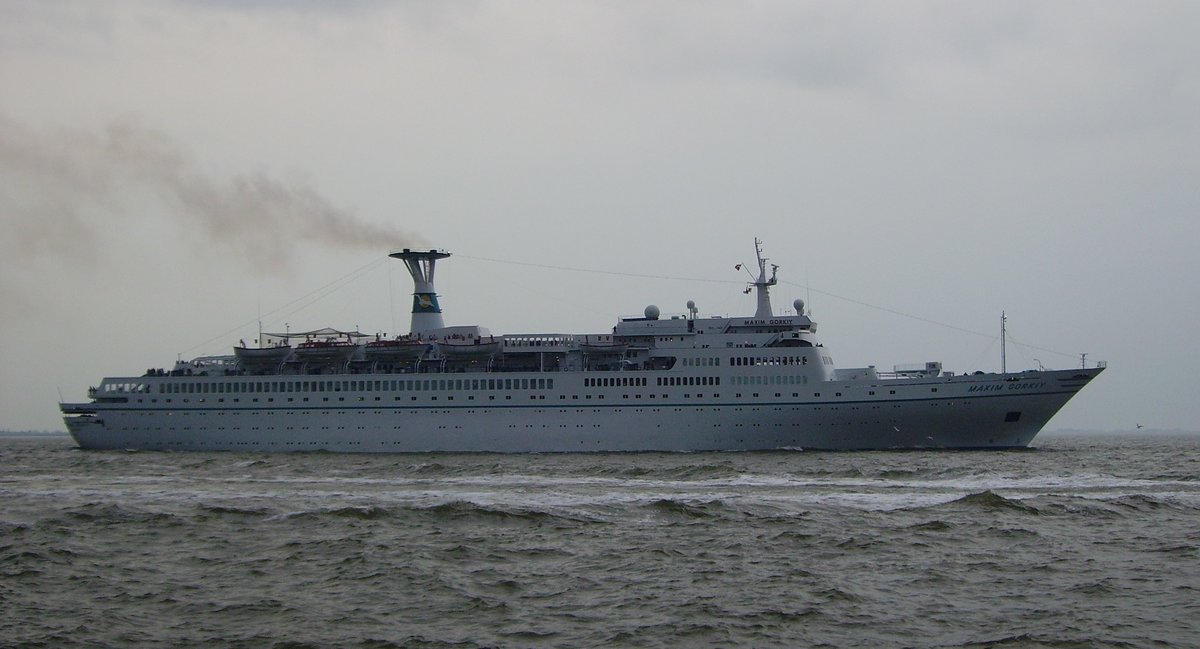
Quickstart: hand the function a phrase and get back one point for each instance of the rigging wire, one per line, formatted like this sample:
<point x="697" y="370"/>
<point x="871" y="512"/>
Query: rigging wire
<point x="986" y="351"/>
<point x="316" y="295"/>
<point x="307" y="300"/>
<point x="600" y="272"/>
<point x="1040" y="349"/>
<point x="807" y="287"/>
<point x="323" y="292"/>
<point x="891" y="311"/>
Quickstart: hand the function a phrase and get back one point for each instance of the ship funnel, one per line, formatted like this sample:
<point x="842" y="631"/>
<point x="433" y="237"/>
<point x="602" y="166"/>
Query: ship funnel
<point x="426" y="313"/>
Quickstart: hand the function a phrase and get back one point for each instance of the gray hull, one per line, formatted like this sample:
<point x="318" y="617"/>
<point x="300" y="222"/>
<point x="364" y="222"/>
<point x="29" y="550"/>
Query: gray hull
<point x="969" y="412"/>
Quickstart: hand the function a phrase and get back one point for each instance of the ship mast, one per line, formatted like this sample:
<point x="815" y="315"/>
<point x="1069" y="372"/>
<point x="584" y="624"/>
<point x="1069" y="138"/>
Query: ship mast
<point x="762" y="284"/>
<point x="426" y="312"/>
<point x="1003" y="341"/>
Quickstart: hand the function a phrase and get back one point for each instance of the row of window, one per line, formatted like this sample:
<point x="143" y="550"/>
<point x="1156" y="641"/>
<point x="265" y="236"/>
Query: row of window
<point x="768" y="360"/>
<point x="783" y="379"/>
<point x="471" y="397"/>
<point x="409" y="385"/>
<point x="616" y="382"/>
<point x="664" y="381"/>
<point x="689" y="380"/>
<point x="443" y="385"/>
<point x="125" y="387"/>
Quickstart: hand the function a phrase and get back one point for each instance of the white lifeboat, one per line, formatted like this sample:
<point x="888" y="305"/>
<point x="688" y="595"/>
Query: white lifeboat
<point x="458" y="346"/>
<point x="262" y="358"/>
<point x="602" y="344"/>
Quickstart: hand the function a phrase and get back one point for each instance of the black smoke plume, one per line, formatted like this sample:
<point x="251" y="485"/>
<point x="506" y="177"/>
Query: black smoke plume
<point x="60" y="191"/>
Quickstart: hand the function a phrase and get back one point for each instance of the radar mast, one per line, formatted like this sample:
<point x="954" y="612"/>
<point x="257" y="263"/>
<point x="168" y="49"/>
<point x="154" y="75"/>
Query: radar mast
<point x="762" y="284"/>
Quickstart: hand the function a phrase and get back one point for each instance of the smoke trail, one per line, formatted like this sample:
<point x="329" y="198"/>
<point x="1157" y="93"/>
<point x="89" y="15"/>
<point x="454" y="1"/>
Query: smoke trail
<point x="60" y="190"/>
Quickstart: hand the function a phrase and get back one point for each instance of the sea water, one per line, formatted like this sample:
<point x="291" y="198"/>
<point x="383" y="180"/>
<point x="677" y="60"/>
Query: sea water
<point x="1079" y="542"/>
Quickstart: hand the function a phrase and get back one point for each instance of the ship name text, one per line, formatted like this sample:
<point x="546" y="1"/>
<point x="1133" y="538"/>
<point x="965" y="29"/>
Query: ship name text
<point x="998" y="387"/>
<point x="751" y="323"/>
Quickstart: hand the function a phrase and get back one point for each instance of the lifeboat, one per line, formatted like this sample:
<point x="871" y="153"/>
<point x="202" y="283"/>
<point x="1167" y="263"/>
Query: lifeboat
<point x="602" y="344"/>
<point x="469" y="346"/>
<point x="262" y="358"/>
<point x="327" y="346"/>
<point x="325" y="351"/>
<point x="398" y="349"/>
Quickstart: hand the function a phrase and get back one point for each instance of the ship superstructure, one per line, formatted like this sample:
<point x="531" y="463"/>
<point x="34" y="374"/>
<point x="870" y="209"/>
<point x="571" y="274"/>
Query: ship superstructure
<point x="651" y="383"/>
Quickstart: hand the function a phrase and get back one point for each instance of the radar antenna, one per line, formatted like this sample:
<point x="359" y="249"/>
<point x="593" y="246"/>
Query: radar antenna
<point x="762" y="284"/>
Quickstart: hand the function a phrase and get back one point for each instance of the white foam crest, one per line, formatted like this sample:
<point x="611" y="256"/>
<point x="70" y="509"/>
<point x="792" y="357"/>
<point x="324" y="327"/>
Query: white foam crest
<point x="574" y="492"/>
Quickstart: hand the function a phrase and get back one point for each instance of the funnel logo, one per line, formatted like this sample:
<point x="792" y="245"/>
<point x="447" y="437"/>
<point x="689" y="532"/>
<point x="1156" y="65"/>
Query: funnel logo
<point x="425" y="303"/>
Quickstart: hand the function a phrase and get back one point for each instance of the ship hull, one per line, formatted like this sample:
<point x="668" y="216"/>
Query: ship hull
<point x="967" y="412"/>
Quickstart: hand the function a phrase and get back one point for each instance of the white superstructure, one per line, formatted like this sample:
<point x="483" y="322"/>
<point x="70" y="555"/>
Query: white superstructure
<point x="678" y="383"/>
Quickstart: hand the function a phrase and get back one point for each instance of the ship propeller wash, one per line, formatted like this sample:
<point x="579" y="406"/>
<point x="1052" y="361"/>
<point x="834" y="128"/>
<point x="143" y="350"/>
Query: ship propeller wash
<point x="651" y="383"/>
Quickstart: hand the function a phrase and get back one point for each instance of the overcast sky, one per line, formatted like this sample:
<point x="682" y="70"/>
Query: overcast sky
<point x="170" y="171"/>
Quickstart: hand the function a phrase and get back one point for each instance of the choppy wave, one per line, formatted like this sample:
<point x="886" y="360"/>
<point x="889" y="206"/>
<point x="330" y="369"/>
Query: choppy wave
<point x="655" y="550"/>
<point x="991" y="501"/>
<point x="461" y="509"/>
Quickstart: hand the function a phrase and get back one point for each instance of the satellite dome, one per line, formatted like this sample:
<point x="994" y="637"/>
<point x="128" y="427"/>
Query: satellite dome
<point x="799" y="306"/>
<point x="652" y="312"/>
<point x="691" y="305"/>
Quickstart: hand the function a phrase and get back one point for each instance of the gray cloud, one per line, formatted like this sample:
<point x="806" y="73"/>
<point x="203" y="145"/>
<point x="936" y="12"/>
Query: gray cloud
<point x="61" y="189"/>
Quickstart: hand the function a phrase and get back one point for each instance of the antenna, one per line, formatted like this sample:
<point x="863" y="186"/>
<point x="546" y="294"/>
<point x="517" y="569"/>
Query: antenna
<point x="1003" y="341"/>
<point x="762" y="284"/>
<point x="807" y="289"/>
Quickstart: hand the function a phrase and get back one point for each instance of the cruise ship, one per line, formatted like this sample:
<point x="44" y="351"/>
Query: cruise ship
<point x="651" y="383"/>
